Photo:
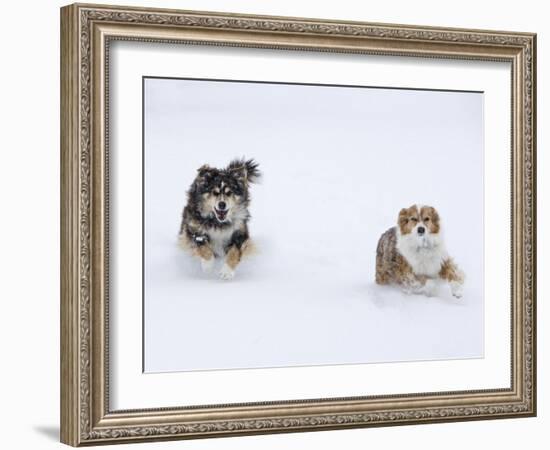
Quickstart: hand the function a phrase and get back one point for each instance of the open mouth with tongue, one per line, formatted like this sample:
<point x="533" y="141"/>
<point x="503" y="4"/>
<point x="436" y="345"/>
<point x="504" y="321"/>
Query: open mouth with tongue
<point x="221" y="215"/>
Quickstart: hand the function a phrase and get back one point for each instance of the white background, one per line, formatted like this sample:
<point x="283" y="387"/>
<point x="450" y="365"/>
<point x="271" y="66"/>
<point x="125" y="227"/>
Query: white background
<point x="337" y="169"/>
<point x="29" y="228"/>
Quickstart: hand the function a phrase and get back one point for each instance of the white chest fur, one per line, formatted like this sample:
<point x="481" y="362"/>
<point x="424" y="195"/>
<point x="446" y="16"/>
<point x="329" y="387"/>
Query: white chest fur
<point x="219" y="238"/>
<point x="424" y="259"/>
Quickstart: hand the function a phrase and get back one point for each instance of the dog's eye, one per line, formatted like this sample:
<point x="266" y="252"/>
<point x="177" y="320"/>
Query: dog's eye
<point x="227" y="193"/>
<point x="427" y="219"/>
<point x="216" y="193"/>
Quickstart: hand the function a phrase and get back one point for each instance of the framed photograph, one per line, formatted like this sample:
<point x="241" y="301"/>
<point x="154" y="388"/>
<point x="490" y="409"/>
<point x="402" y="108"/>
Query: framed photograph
<point x="274" y="224"/>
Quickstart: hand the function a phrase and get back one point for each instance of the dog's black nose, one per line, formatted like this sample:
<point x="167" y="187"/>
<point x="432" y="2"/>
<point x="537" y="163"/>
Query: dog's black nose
<point x="221" y="206"/>
<point x="421" y="230"/>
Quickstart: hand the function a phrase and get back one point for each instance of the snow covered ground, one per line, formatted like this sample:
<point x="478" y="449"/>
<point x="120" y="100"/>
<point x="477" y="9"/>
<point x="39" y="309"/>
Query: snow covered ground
<point x="338" y="165"/>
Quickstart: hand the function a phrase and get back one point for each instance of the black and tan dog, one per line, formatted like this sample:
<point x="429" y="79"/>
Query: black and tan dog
<point x="215" y="219"/>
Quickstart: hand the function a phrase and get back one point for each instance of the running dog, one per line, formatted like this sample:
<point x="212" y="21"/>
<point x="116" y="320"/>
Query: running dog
<point x="215" y="220"/>
<point x="412" y="254"/>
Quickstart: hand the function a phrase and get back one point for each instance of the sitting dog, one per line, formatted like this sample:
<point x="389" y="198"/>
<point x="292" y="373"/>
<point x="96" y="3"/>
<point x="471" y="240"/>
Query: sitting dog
<point x="413" y="256"/>
<point x="214" y="221"/>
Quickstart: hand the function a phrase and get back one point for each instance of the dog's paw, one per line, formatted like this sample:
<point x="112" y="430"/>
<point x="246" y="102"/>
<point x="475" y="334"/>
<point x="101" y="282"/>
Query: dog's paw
<point x="456" y="289"/>
<point x="226" y="272"/>
<point x="430" y="288"/>
<point x="207" y="265"/>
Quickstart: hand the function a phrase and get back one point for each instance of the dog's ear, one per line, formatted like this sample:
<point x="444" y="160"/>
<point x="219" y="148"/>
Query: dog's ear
<point x="244" y="170"/>
<point x="403" y="217"/>
<point x="253" y="175"/>
<point x="204" y="171"/>
<point x="239" y="173"/>
<point x="432" y="213"/>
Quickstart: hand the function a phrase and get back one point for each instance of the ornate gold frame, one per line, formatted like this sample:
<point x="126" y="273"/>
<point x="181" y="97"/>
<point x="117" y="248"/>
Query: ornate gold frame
<point x="86" y="31"/>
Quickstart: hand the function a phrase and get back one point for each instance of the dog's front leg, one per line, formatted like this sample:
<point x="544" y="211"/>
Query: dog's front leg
<point x="206" y="256"/>
<point x="451" y="273"/>
<point x="232" y="259"/>
<point x="234" y="250"/>
<point x="420" y="285"/>
<point x="411" y="284"/>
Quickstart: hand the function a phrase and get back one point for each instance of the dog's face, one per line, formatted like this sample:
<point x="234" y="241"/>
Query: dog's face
<point x="222" y="193"/>
<point x="419" y="223"/>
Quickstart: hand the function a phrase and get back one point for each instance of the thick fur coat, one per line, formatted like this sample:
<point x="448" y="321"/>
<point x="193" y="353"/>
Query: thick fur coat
<point x="215" y="219"/>
<point x="413" y="256"/>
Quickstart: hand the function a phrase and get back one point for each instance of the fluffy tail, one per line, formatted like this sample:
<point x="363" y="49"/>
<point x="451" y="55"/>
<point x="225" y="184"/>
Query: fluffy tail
<point x="247" y="169"/>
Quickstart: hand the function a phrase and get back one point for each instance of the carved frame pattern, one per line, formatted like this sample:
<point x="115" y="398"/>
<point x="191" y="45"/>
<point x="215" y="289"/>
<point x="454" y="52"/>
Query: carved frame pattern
<point x="86" y="418"/>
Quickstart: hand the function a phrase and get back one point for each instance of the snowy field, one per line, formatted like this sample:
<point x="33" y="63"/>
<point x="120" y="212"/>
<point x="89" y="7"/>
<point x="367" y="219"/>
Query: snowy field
<point x="338" y="165"/>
